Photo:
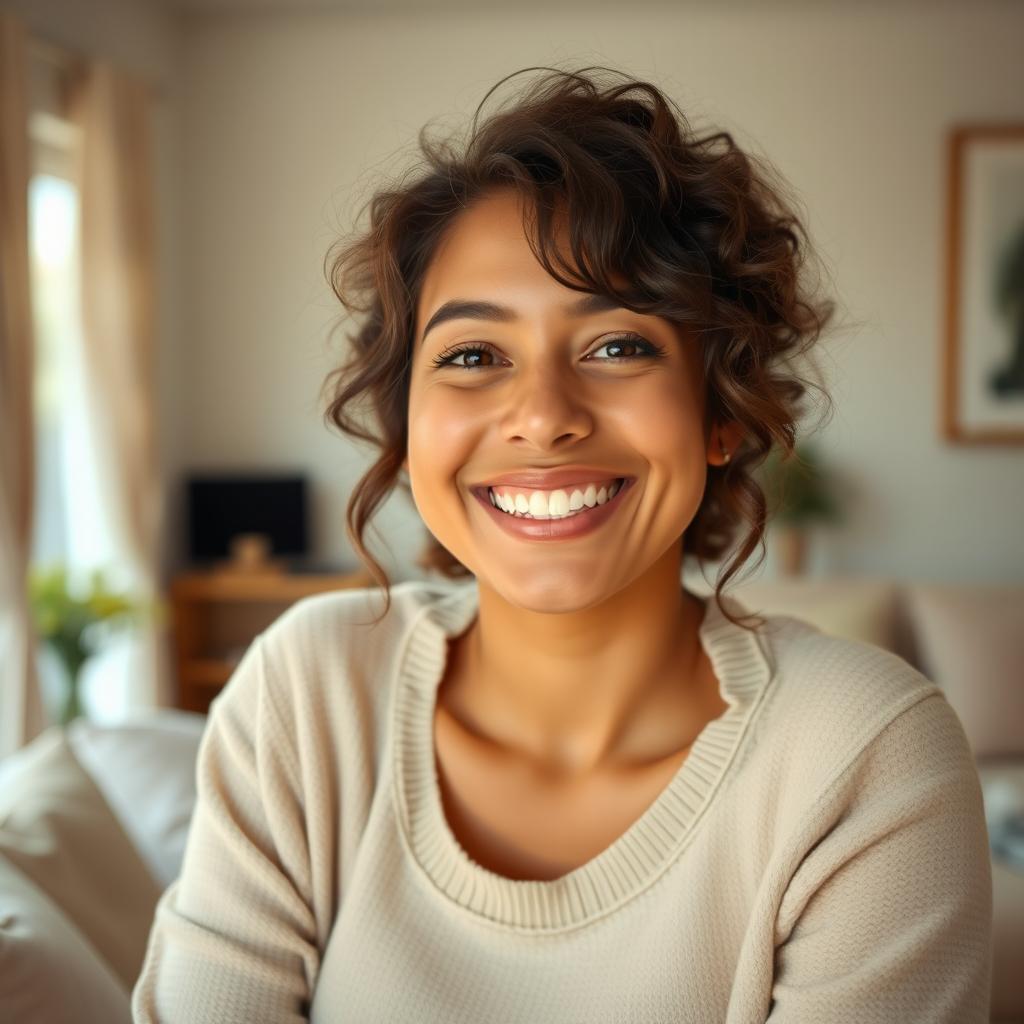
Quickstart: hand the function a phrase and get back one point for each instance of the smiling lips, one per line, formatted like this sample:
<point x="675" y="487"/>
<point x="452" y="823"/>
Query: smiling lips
<point x="553" y="504"/>
<point x="584" y="509"/>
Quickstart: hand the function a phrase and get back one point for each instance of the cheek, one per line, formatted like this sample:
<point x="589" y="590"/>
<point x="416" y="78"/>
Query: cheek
<point x="443" y="430"/>
<point x="664" y="423"/>
<point x="666" y="430"/>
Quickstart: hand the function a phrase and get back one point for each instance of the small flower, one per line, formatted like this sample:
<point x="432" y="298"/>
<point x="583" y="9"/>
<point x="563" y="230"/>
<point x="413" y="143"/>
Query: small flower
<point x="73" y="624"/>
<point x="60" y="612"/>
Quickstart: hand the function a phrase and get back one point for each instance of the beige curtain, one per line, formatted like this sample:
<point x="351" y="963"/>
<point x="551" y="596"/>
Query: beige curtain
<point x="111" y="109"/>
<point x="21" y="710"/>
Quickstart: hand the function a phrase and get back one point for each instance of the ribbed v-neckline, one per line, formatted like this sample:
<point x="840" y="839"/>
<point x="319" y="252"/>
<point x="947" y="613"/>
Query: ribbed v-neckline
<point x="638" y="856"/>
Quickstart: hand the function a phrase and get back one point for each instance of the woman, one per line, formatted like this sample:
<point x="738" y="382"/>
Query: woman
<point x="558" y="786"/>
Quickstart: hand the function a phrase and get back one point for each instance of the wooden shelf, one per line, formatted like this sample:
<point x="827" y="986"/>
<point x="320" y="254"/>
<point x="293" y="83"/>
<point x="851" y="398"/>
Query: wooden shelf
<point x="253" y="587"/>
<point x="208" y="671"/>
<point x="216" y="615"/>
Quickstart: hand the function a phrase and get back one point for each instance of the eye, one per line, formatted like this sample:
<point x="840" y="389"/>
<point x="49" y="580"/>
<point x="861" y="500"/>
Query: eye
<point x="447" y="357"/>
<point x="647" y="350"/>
<point x="627" y="341"/>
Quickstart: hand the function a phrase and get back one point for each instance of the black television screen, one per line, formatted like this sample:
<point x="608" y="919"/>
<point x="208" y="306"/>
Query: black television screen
<point x="221" y="506"/>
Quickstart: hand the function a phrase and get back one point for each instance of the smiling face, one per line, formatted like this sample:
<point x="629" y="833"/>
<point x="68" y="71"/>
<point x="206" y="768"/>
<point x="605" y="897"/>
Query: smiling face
<point x="547" y="391"/>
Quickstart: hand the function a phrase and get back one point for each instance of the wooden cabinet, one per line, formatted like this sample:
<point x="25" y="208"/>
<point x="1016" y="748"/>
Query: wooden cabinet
<point x="216" y="615"/>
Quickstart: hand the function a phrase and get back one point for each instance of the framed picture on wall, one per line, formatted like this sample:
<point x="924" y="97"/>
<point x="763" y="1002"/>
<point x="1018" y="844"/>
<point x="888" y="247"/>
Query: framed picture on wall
<point x="983" y="399"/>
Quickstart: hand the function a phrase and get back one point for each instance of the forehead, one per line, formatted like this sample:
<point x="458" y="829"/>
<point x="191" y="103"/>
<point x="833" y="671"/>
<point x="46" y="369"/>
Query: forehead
<point x="484" y="253"/>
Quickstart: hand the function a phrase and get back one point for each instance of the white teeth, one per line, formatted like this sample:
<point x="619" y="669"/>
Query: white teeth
<point x="558" y="503"/>
<point x="538" y="505"/>
<point x="554" y="504"/>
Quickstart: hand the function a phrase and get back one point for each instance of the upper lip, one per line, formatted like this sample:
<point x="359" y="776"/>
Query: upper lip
<point x="549" y="479"/>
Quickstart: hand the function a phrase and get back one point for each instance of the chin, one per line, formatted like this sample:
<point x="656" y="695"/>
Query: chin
<point x="550" y="593"/>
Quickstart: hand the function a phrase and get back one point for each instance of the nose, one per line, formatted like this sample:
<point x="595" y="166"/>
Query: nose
<point x="546" y="407"/>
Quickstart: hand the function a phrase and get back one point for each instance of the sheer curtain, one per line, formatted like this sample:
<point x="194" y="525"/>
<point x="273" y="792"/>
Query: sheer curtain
<point x="111" y="110"/>
<point x="21" y="712"/>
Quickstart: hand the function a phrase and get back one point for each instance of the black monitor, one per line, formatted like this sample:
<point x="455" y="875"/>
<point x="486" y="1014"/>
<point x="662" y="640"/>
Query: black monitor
<point x="221" y="505"/>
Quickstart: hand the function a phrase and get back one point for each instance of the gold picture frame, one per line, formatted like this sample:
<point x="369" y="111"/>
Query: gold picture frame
<point x="983" y="393"/>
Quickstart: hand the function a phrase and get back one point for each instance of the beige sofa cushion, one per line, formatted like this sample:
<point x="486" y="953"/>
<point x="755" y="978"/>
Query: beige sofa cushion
<point x="57" y="829"/>
<point x="856" y="609"/>
<point x="48" y="972"/>
<point x="971" y="643"/>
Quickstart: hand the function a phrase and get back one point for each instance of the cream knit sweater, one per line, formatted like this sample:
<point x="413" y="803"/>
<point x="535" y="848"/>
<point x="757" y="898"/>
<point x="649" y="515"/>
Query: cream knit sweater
<point x="820" y="856"/>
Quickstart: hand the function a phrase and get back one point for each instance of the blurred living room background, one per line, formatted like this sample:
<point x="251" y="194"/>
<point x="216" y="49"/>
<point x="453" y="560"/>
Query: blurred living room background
<point x="188" y="163"/>
<point x="172" y="174"/>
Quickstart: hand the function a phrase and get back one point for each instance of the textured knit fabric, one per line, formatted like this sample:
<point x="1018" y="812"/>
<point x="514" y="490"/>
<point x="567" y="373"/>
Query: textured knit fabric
<point x="819" y="856"/>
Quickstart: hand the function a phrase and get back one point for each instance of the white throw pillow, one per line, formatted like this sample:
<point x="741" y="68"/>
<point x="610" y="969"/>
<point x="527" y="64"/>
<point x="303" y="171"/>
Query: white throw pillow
<point x="57" y="829"/>
<point x="145" y="767"/>
<point x="48" y="971"/>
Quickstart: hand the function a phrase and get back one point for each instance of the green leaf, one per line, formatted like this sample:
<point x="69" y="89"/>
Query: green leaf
<point x="66" y="617"/>
<point x="799" y="488"/>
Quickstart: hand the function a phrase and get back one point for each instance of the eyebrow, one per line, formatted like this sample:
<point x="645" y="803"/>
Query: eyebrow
<point x="467" y="309"/>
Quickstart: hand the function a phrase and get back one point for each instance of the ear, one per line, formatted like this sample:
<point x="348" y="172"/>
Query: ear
<point x="723" y="435"/>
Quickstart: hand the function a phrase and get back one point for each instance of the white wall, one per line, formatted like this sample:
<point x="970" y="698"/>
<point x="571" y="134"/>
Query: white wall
<point x="291" y="119"/>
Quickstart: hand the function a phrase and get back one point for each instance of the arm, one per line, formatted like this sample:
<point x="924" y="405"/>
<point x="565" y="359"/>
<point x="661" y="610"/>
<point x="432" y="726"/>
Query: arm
<point x="234" y="936"/>
<point x="889" y="916"/>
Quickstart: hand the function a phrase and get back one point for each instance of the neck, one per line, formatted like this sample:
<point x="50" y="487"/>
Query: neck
<point x="578" y="691"/>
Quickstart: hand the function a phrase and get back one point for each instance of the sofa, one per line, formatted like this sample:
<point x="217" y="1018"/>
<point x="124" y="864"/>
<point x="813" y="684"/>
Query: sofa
<point x="93" y="823"/>
<point x="94" y="817"/>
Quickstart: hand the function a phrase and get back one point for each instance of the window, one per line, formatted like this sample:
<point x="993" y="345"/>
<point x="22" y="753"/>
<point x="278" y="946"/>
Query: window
<point x="53" y="214"/>
<point x="71" y="525"/>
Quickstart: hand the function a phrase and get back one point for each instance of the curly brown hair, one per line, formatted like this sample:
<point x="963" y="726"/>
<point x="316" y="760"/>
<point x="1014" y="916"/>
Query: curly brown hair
<point x="706" y="235"/>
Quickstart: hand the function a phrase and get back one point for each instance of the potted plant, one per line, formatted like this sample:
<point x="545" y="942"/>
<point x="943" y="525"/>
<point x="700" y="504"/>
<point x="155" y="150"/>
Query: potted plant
<point x="800" y="492"/>
<point x="72" y="624"/>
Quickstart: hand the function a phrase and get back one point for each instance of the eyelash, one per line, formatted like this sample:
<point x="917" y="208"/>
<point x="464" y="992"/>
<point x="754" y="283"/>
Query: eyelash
<point x="651" y="351"/>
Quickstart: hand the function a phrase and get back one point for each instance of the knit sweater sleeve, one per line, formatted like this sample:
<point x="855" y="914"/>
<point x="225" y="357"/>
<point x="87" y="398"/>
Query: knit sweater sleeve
<point x="889" y="914"/>
<point x="234" y="937"/>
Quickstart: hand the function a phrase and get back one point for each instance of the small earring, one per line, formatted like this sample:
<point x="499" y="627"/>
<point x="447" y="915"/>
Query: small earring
<point x="726" y="455"/>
